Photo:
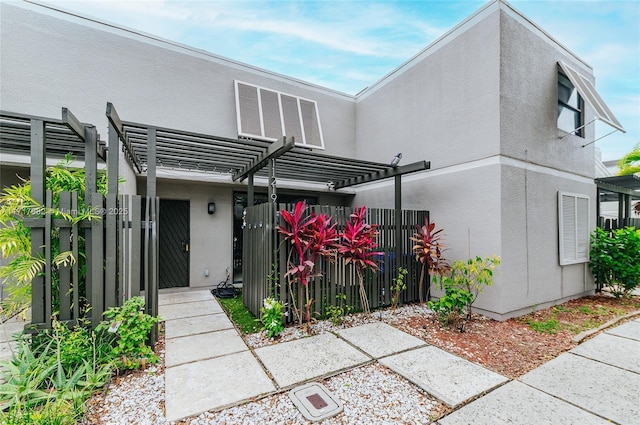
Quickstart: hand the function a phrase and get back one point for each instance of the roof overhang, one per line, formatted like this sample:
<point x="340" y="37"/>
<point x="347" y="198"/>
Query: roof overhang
<point x="591" y="96"/>
<point x="627" y="185"/>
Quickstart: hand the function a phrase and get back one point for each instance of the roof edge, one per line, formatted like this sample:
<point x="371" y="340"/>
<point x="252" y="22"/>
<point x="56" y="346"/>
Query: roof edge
<point x="55" y="11"/>
<point x="480" y="14"/>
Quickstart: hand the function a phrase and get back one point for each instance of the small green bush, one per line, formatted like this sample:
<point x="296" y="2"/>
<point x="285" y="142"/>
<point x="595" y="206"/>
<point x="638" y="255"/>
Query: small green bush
<point x="132" y="328"/>
<point x="398" y="286"/>
<point x="271" y="317"/>
<point x="615" y="259"/>
<point x="336" y="313"/>
<point x="461" y="288"/>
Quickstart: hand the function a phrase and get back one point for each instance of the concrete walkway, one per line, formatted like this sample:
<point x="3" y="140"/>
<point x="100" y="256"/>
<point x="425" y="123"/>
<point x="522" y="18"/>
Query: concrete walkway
<point x="209" y="367"/>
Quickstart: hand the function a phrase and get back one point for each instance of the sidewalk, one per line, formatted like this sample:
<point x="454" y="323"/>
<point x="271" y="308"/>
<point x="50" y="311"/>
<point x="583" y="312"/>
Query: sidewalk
<point x="209" y="367"/>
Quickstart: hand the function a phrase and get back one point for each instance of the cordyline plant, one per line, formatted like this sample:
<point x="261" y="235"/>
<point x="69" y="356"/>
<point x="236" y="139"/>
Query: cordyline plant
<point x="311" y="236"/>
<point x="357" y="245"/>
<point x="428" y="250"/>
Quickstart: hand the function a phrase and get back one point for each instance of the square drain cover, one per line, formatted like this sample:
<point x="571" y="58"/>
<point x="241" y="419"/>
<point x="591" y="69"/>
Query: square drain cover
<point x="315" y="402"/>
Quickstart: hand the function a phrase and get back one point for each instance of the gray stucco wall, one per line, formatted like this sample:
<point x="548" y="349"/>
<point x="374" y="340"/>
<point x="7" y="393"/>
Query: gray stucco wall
<point x="444" y="107"/>
<point x="51" y="60"/>
<point x="481" y="105"/>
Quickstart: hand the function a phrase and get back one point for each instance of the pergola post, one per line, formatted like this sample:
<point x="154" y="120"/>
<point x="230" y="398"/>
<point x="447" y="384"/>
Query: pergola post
<point x="250" y="194"/>
<point x="38" y="182"/>
<point x="398" y="214"/>
<point x="151" y="290"/>
<point x="111" y="234"/>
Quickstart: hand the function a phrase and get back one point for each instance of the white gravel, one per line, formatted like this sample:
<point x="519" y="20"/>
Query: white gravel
<point x="371" y="394"/>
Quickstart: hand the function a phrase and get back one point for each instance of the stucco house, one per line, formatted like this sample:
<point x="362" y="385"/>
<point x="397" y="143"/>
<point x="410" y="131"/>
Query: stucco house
<point x="501" y="109"/>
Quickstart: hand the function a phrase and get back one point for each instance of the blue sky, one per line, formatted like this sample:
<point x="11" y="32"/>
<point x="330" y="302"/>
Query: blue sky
<point x="349" y="45"/>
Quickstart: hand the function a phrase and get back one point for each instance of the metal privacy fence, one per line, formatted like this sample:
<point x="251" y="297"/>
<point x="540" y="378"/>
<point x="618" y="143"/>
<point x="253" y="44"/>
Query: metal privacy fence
<point x="107" y="250"/>
<point x="613" y="223"/>
<point x="265" y="258"/>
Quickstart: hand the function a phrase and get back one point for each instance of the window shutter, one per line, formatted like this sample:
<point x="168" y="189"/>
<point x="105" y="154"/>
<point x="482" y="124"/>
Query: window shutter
<point x="268" y="114"/>
<point x="573" y="225"/>
<point x="291" y="117"/>
<point x="311" y="123"/>
<point x="249" y="111"/>
<point x="271" y="114"/>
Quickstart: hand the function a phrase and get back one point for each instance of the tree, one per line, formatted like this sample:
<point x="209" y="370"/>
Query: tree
<point x="630" y="163"/>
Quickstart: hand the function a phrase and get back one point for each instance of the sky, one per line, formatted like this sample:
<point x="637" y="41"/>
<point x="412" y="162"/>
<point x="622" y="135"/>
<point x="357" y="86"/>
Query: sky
<point x="349" y="45"/>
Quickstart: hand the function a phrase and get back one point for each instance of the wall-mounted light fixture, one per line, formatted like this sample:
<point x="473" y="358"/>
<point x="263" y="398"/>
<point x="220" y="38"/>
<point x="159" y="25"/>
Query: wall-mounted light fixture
<point x="211" y="207"/>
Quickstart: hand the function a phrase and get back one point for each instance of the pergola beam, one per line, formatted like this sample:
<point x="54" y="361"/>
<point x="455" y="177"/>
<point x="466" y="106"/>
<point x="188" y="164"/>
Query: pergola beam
<point x="274" y="151"/>
<point x="380" y="175"/>
<point x="73" y="123"/>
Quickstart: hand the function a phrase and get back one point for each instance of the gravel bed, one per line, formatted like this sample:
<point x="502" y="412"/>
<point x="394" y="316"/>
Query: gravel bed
<point x="371" y="394"/>
<point x="388" y="316"/>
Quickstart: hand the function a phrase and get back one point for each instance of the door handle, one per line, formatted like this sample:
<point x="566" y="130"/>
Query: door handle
<point x="185" y="246"/>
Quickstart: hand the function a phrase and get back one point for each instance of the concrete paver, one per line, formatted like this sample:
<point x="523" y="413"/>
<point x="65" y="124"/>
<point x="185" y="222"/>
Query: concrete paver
<point x="605" y="390"/>
<point x="629" y="330"/>
<point x="189" y="309"/>
<point x="191" y="348"/>
<point x="450" y="378"/>
<point x="200" y="324"/>
<point x="298" y="361"/>
<point x="379" y="339"/>
<point x="517" y="403"/>
<point x="612" y="350"/>
<point x="166" y="298"/>
<point x="193" y="388"/>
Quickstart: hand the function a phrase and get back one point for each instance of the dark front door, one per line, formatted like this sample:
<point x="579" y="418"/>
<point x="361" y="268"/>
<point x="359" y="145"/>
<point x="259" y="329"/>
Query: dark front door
<point x="173" y="238"/>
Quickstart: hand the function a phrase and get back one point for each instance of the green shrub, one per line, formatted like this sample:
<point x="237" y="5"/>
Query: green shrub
<point x="336" y="313"/>
<point x="398" y="286"/>
<point x="271" y="317"/>
<point x="461" y="288"/>
<point x="132" y="328"/>
<point x="615" y="259"/>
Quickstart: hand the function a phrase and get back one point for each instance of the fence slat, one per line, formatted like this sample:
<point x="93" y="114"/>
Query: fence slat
<point x="76" y="254"/>
<point x="96" y="299"/>
<point x="64" y="272"/>
<point x="136" y="229"/>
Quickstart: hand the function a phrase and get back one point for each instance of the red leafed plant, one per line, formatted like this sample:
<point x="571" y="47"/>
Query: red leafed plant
<point x="311" y="236"/>
<point x="428" y="250"/>
<point x="357" y="245"/>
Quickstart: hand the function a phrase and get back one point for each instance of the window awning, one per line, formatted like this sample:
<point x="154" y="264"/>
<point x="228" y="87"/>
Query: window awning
<point x="591" y="96"/>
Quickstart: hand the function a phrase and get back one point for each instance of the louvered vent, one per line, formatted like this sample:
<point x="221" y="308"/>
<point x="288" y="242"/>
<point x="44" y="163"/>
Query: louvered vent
<point x="270" y="115"/>
<point x="573" y="217"/>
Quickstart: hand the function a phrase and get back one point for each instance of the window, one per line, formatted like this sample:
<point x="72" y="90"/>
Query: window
<point x="573" y="225"/>
<point x="570" y="107"/>
<point x="270" y="115"/>
<point x="573" y="88"/>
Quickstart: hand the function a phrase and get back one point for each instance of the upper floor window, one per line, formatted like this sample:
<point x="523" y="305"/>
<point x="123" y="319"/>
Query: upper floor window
<point x="570" y="107"/>
<point x="269" y="115"/>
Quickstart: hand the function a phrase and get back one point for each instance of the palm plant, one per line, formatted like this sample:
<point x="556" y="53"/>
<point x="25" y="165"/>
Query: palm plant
<point x="630" y="163"/>
<point x="357" y="247"/>
<point x="16" y="204"/>
<point x="428" y="251"/>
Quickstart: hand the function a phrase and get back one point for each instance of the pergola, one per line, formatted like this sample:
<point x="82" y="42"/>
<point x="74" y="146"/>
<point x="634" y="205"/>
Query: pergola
<point x="148" y="147"/>
<point x="622" y="189"/>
